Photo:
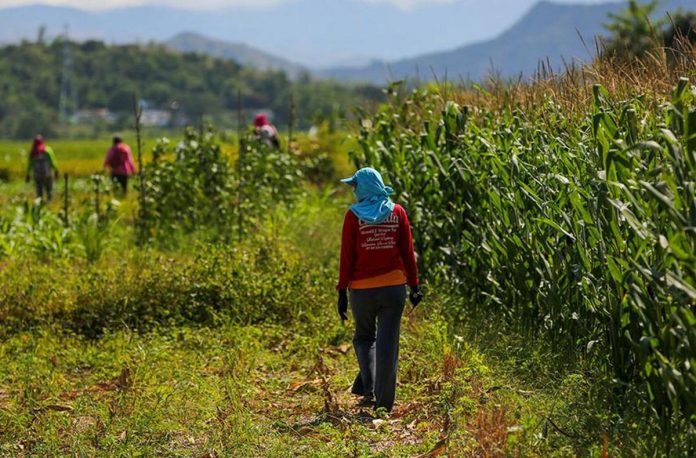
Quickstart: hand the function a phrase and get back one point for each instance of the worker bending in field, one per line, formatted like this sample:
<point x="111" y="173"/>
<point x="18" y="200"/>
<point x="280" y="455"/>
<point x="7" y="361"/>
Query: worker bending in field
<point x="266" y="132"/>
<point x="119" y="160"/>
<point x="43" y="166"/>
<point x="377" y="262"/>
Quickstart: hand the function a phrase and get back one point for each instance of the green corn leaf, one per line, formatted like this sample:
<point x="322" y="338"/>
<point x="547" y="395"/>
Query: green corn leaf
<point x="665" y="201"/>
<point x="676" y="282"/>
<point x="580" y="208"/>
<point x="555" y="225"/>
<point x="614" y="270"/>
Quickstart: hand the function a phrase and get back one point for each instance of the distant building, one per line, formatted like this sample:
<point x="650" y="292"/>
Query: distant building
<point x="151" y="117"/>
<point x="156" y="118"/>
<point x="91" y="115"/>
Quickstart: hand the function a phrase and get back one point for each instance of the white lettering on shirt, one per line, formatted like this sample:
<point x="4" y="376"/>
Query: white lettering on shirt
<point x="381" y="236"/>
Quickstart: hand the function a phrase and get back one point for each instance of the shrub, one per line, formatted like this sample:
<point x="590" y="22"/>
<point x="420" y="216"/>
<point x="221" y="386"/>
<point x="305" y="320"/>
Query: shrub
<point x="260" y="281"/>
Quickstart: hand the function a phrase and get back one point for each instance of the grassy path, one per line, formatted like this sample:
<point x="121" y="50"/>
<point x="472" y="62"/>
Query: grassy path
<point x="233" y="391"/>
<point x="256" y="391"/>
<point x="267" y="390"/>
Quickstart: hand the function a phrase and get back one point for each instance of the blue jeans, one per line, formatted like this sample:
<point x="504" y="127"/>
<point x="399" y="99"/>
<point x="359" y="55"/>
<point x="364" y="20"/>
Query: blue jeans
<point x="377" y="314"/>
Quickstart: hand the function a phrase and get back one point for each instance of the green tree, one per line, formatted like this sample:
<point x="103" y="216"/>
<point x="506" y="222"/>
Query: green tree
<point x="38" y="120"/>
<point x="633" y="32"/>
<point x="108" y="76"/>
<point x="682" y="29"/>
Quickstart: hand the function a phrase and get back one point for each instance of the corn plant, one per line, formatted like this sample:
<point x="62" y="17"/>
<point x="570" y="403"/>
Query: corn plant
<point x="34" y="230"/>
<point x="269" y="177"/>
<point x="576" y="229"/>
<point x="193" y="191"/>
<point x="195" y="187"/>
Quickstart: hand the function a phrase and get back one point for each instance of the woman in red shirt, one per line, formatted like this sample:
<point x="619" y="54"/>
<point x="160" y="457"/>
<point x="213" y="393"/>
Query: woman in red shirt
<point x="119" y="159"/>
<point x="377" y="261"/>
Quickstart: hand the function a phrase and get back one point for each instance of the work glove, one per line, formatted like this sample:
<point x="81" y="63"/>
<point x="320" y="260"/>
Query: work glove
<point x="416" y="295"/>
<point x="343" y="304"/>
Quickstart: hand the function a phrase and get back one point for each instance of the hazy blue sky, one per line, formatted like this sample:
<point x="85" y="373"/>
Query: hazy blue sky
<point x="313" y="32"/>
<point x="214" y="4"/>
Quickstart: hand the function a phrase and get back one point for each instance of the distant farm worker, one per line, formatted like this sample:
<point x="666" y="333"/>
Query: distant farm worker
<point x="265" y="131"/>
<point x="119" y="160"/>
<point x="43" y="166"/>
<point x="377" y="262"/>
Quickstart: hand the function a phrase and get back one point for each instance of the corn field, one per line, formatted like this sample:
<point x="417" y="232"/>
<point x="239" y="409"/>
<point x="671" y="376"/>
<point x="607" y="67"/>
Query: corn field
<point x="579" y="229"/>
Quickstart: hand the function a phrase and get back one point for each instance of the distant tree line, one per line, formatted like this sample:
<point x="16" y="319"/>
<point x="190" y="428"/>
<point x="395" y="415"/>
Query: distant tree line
<point x="635" y="31"/>
<point x="105" y="76"/>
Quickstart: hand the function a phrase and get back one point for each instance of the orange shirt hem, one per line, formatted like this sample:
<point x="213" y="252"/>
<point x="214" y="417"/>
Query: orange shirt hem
<point x="393" y="278"/>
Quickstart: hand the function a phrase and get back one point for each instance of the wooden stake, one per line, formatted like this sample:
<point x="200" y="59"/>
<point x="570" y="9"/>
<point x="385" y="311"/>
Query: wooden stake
<point x="137" y="114"/>
<point x="66" y="202"/>
<point x="97" y="182"/>
<point x="291" y="121"/>
<point x="240" y="169"/>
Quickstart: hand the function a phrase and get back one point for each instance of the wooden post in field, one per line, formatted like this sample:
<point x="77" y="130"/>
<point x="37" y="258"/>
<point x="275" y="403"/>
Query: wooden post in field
<point x="66" y="203"/>
<point x="240" y="118"/>
<point x="137" y="114"/>
<point x="240" y="163"/>
<point x="97" y="181"/>
<point x="291" y="121"/>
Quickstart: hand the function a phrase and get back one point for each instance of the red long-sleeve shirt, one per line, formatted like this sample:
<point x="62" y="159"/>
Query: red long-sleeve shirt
<point x="369" y="250"/>
<point x="120" y="160"/>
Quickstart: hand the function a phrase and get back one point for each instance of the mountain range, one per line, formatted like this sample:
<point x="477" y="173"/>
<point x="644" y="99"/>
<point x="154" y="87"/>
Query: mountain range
<point x="314" y="33"/>
<point x="554" y="33"/>
<point x="504" y="36"/>
<point x="239" y="52"/>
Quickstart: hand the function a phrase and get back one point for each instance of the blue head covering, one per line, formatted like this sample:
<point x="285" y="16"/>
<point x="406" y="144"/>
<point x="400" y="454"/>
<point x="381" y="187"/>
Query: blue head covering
<point x="374" y="205"/>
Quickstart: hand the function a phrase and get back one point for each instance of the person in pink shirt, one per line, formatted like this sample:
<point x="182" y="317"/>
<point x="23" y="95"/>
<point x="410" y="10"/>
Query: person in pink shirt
<point x="266" y="132"/>
<point x="119" y="160"/>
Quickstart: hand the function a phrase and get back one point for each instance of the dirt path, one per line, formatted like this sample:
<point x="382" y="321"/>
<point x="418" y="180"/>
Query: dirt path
<point x="313" y="404"/>
<point x="246" y="392"/>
